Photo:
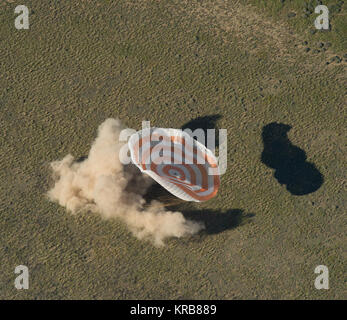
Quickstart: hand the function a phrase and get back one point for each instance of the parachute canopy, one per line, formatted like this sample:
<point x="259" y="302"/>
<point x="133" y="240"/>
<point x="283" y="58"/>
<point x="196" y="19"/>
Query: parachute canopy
<point x="182" y="165"/>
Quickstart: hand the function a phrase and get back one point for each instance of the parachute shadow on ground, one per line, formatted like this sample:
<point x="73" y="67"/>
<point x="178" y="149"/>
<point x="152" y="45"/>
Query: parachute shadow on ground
<point x="205" y="122"/>
<point x="289" y="161"/>
<point x="81" y="159"/>
<point x="215" y="221"/>
<point x="218" y="221"/>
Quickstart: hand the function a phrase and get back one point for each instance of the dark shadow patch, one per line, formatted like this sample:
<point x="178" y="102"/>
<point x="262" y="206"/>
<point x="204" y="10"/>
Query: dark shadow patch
<point x="158" y="193"/>
<point x="204" y="123"/>
<point x="291" y="168"/>
<point x="217" y="221"/>
<point x="81" y="159"/>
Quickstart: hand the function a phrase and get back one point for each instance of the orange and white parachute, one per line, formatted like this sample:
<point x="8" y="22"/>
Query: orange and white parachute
<point x="182" y="165"/>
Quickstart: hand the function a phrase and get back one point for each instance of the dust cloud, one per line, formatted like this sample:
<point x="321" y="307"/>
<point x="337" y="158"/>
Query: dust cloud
<point x="102" y="184"/>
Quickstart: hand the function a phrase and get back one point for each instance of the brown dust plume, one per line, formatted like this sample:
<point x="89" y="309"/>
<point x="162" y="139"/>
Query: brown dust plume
<point x="102" y="184"/>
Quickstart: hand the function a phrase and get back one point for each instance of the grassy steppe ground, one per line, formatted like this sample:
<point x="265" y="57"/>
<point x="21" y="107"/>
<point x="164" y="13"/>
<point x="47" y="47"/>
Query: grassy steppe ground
<point x="170" y="62"/>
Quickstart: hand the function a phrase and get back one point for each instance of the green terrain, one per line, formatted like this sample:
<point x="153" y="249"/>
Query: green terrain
<point x="243" y="63"/>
